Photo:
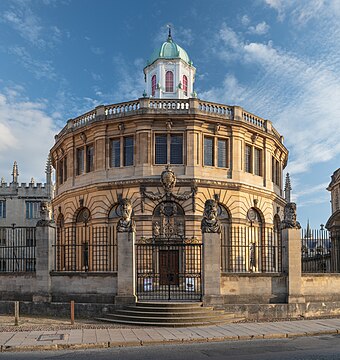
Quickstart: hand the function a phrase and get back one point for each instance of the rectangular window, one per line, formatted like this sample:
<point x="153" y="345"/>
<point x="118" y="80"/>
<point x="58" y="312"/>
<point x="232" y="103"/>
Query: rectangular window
<point x="257" y="161"/>
<point x="89" y="158"/>
<point x="3" y="237"/>
<point x="2" y="208"/>
<point x="80" y="161"/>
<point x="30" y="237"/>
<point x="222" y="153"/>
<point x="276" y="173"/>
<point x="176" y="149"/>
<point x="61" y="171"/>
<point x="247" y="159"/>
<point x="65" y="168"/>
<point x="32" y="209"/>
<point x="208" y="151"/>
<point x="161" y="149"/>
<point x="115" y="153"/>
<point x="128" y="151"/>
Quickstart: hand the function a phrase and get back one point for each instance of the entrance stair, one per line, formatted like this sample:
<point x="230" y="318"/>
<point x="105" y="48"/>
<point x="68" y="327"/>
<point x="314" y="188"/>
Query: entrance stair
<point x="168" y="314"/>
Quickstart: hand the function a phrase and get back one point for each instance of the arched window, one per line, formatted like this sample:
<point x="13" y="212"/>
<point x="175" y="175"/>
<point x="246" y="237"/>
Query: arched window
<point x="153" y="85"/>
<point x="254" y="250"/>
<point x="60" y="258"/>
<point x="169" y="81"/>
<point x="185" y="85"/>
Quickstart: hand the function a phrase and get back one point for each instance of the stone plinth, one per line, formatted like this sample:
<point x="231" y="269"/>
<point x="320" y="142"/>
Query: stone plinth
<point x="126" y="282"/>
<point x="212" y="269"/>
<point x="291" y="241"/>
<point x="45" y="235"/>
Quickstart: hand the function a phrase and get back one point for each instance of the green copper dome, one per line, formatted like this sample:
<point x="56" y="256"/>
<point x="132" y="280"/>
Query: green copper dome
<point x="169" y="50"/>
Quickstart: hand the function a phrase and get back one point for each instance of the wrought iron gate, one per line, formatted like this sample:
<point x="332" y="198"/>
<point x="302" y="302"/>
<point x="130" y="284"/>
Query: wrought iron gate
<point x="168" y="269"/>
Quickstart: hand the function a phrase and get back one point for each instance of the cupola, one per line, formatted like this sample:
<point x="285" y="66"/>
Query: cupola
<point x="169" y="73"/>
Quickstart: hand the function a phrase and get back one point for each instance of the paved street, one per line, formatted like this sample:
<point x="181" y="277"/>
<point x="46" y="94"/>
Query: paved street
<point x="106" y="337"/>
<point x="324" y="347"/>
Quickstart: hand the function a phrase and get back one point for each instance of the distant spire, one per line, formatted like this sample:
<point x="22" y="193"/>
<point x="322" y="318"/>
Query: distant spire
<point x="15" y="173"/>
<point x="288" y="188"/>
<point x="48" y="172"/>
<point x="3" y="181"/>
<point x="169" y="34"/>
<point x="48" y="169"/>
<point x="32" y="181"/>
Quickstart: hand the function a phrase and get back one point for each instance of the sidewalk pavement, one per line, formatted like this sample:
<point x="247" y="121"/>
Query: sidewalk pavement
<point x="111" y="337"/>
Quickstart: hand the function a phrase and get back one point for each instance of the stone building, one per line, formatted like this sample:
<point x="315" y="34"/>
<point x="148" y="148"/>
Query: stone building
<point x="167" y="153"/>
<point x="19" y="212"/>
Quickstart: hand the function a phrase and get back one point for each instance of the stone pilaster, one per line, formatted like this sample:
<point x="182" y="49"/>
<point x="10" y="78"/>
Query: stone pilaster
<point x="212" y="269"/>
<point x="126" y="282"/>
<point x="45" y="236"/>
<point x="291" y="241"/>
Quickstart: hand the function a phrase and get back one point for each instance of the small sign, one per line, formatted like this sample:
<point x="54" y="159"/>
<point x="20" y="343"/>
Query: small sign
<point x="190" y="284"/>
<point x="148" y="284"/>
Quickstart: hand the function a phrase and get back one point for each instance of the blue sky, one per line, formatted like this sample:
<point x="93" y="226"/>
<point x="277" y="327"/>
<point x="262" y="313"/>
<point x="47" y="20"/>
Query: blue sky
<point x="279" y="59"/>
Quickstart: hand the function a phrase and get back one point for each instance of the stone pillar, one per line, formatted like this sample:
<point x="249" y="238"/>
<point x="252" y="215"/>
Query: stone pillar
<point x="291" y="242"/>
<point x="45" y="237"/>
<point x="126" y="282"/>
<point x="212" y="269"/>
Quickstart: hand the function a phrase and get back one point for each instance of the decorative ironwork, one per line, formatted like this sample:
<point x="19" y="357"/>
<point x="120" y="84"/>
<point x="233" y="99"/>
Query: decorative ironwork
<point x="168" y="181"/>
<point x="168" y="270"/>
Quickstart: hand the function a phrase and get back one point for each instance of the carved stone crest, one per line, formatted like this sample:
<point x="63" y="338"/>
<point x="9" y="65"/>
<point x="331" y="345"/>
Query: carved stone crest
<point x="168" y="179"/>
<point x="289" y="221"/>
<point x="126" y="223"/>
<point x="210" y="223"/>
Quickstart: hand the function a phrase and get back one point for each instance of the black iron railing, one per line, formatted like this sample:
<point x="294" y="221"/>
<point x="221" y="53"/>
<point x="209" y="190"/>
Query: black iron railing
<point x="17" y="249"/>
<point x="169" y="270"/>
<point x="320" y="251"/>
<point x="251" y="249"/>
<point x="86" y="249"/>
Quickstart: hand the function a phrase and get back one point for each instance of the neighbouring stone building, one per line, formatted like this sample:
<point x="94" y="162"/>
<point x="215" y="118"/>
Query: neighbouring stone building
<point x="19" y="212"/>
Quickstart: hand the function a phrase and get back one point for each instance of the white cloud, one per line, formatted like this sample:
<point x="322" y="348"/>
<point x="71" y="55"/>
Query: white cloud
<point x="26" y="135"/>
<point x="260" y="29"/>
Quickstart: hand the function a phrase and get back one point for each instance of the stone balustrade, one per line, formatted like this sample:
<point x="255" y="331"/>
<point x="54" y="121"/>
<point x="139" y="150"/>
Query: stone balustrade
<point x="180" y="106"/>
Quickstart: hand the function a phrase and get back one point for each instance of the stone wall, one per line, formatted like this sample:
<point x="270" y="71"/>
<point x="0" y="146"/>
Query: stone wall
<point x="84" y="287"/>
<point x="321" y="287"/>
<point x="253" y="288"/>
<point x="17" y="287"/>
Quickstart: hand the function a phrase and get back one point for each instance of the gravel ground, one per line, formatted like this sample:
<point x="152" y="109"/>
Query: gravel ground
<point x="30" y="323"/>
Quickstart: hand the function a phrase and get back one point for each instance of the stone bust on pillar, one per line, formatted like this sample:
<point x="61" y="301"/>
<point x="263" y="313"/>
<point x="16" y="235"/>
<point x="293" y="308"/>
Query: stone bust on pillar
<point x="126" y="223"/>
<point x="210" y="222"/>
<point x="289" y="221"/>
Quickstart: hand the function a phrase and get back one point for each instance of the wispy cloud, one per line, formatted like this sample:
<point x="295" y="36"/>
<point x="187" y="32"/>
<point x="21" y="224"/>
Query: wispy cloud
<point x="21" y="17"/>
<point x="25" y="129"/>
<point x="259" y="29"/>
<point x="40" y="69"/>
<point x="297" y="92"/>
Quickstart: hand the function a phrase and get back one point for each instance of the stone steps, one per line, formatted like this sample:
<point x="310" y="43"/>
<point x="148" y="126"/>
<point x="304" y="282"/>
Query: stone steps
<point x="168" y="314"/>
